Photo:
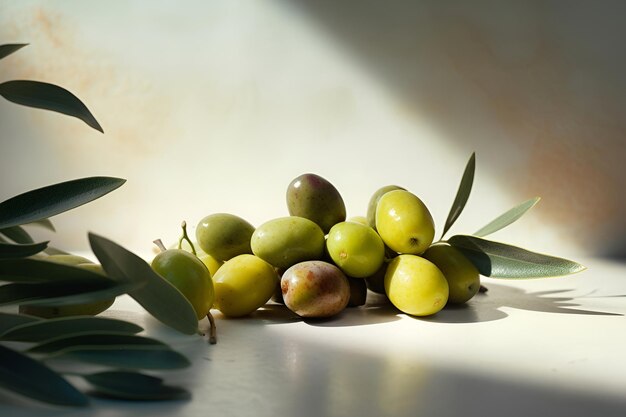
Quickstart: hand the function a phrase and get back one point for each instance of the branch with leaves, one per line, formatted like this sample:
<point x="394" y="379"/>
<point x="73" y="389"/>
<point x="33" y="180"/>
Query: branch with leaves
<point x="29" y="279"/>
<point x="495" y="259"/>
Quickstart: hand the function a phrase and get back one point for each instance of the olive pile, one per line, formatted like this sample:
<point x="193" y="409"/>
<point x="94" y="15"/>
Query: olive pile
<point x="318" y="263"/>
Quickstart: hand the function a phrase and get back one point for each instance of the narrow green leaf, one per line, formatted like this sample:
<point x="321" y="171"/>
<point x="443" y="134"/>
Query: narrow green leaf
<point x="131" y="357"/>
<point x="45" y="223"/>
<point x="14" y="250"/>
<point x="499" y="260"/>
<point x="42" y="330"/>
<point x="50" y="250"/>
<point x="62" y="293"/>
<point x="17" y="234"/>
<point x="462" y="194"/>
<point x="507" y="218"/>
<point x="9" y="48"/>
<point x="160" y="298"/>
<point x="94" y="340"/>
<point x="38" y="270"/>
<point x="48" y="201"/>
<point x="47" y="96"/>
<point x="30" y="378"/>
<point x="135" y="386"/>
<point x="8" y="321"/>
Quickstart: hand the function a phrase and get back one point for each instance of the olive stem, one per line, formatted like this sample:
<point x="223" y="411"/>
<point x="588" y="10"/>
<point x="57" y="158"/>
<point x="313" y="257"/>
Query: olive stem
<point x="186" y="237"/>
<point x="160" y="245"/>
<point x="212" y="329"/>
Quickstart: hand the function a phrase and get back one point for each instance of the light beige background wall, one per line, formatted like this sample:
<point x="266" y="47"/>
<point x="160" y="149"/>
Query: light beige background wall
<point x="216" y="106"/>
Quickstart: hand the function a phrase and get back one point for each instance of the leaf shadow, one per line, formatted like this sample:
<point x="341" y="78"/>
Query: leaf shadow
<point x="488" y="306"/>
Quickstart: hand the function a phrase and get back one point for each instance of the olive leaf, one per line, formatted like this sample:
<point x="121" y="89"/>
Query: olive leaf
<point x="48" y="201"/>
<point x="9" y="321"/>
<point x="507" y="218"/>
<point x="17" y="234"/>
<point x="92" y="339"/>
<point x="50" y="250"/>
<point x="127" y="356"/>
<point x="30" y="378"/>
<point x="39" y="270"/>
<point x="45" y="223"/>
<point x="41" y="330"/>
<point x="9" y="48"/>
<point x="465" y="187"/>
<point x="47" y="96"/>
<point x="499" y="260"/>
<point x="160" y="298"/>
<point x="14" y="250"/>
<point x="61" y="293"/>
<point x="133" y="386"/>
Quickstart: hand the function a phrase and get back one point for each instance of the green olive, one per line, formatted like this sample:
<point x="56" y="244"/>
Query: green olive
<point x="243" y="284"/>
<point x="189" y="275"/>
<point x="371" y="207"/>
<point x="359" y="219"/>
<point x="404" y="222"/>
<point x="462" y="276"/>
<point x="224" y="236"/>
<point x="376" y="281"/>
<point x="415" y="285"/>
<point x="186" y="272"/>
<point x="355" y="248"/>
<point x="286" y="241"/>
<point x="358" y="292"/>
<point x="211" y="263"/>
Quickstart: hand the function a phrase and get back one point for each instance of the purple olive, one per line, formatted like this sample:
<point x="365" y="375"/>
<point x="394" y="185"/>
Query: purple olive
<point x="315" y="289"/>
<point x="315" y="198"/>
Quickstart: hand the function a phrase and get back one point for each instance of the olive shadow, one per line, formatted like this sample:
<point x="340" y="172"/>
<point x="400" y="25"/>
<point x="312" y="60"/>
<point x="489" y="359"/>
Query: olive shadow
<point x="359" y="316"/>
<point x="275" y="313"/>
<point x="487" y="306"/>
<point x="377" y="310"/>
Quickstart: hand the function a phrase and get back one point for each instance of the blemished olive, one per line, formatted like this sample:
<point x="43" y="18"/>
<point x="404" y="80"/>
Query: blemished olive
<point x="315" y="289"/>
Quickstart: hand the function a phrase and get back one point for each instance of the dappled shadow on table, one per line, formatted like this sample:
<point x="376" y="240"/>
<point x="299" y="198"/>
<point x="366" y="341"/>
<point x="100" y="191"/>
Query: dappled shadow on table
<point x="488" y="306"/>
<point x="482" y="308"/>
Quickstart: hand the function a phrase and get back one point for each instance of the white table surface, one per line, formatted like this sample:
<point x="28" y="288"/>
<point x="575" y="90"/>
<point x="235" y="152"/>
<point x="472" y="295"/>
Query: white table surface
<point x="534" y="347"/>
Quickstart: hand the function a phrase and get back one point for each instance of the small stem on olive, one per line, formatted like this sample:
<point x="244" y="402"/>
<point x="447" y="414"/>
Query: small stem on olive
<point x="160" y="245"/>
<point x="212" y="329"/>
<point x="186" y="237"/>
